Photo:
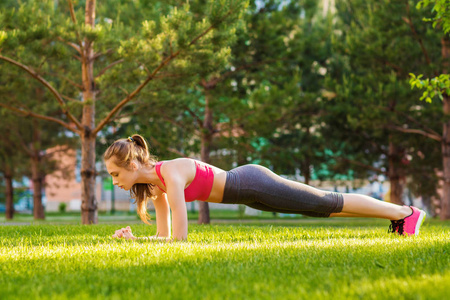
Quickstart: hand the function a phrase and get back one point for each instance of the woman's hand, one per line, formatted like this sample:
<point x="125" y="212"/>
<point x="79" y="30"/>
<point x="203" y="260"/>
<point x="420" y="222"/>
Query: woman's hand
<point x="124" y="233"/>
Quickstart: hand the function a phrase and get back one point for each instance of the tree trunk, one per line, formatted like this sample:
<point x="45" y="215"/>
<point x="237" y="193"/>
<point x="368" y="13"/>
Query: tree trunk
<point x="306" y="165"/>
<point x="9" y="193"/>
<point x="207" y="132"/>
<point x="36" y="173"/>
<point x="89" y="214"/>
<point x="36" y="177"/>
<point x="445" y="201"/>
<point x="306" y="172"/>
<point x="395" y="173"/>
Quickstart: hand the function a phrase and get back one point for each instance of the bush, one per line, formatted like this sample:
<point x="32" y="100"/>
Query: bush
<point x="62" y="207"/>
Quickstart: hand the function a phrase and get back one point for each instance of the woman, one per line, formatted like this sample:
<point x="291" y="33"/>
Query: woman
<point x="170" y="184"/>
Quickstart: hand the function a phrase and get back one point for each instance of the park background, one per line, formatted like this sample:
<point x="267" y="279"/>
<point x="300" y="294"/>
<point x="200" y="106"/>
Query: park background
<point x="348" y="95"/>
<point x="337" y="94"/>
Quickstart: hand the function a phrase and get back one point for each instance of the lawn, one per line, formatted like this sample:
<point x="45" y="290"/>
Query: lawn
<point x="124" y="216"/>
<point x="308" y="259"/>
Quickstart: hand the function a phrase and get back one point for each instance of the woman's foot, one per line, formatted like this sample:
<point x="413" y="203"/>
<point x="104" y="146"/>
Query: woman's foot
<point x="409" y="225"/>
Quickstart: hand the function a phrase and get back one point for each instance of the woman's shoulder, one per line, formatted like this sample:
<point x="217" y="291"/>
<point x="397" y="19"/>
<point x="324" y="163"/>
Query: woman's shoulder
<point x="177" y="161"/>
<point x="180" y="165"/>
<point x="186" y="166"/>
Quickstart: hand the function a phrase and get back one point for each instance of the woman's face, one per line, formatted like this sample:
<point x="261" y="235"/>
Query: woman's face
<point x="121" y="177"/>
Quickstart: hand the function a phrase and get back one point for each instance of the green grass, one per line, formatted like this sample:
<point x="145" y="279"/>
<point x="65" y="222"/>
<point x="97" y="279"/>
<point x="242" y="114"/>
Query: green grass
<point x="311" y="259"/>
<point x="121" y="216"/>
<point x="69" y="218"/>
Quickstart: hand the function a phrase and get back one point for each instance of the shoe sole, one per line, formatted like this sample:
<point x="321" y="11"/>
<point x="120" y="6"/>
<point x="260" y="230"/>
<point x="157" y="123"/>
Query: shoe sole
<point x="420" y="221"/>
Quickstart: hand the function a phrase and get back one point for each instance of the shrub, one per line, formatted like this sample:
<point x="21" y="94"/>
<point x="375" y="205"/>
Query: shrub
<point x="62" y="207"/>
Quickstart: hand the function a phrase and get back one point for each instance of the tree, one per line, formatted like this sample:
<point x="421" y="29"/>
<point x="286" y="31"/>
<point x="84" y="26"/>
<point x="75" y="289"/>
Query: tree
<point x="199" y="123"/>
<point x="138" y="57"/>
<point x="28" y="138"/>
<point x="9" y="158"/>
<point x="288" y="98"/>
<point x="379" y="44"/>
<point x="439" y="86"/>
<point x="218" y="116"/>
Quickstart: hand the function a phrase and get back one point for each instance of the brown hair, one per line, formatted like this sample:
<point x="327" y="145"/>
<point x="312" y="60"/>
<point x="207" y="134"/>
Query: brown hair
<point x="124" y="151"/>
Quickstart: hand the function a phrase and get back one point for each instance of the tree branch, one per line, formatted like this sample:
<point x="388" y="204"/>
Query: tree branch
<point x="131" y="96"/>
<point x="413" y="30"/>
<point x="72" y="82"/>
<point x="22" y="142"/>
<point x="74" y="46"/>
<point x="40" y="65"/>
<point x="70" y="99"/>
<point x="197" y="118"/>
<point x="147" y="70"/>
<point x="124" y="90"/>
<point x="47" y="85"/>
<point x="151" y="77"/>
<point x="97" y="55"/>
<point x="362" y="165"/>
<point x="395" y="67"/>
<point x="109" y="67"/>
<point x="74" y="20"/>
<point x="208" y="30"/>
<point x="155" y="142"/>
<point x="431" y="131"/>
<point x="38" y="116"/>
<point x="124" y="115"/>
<point x="416" y="131"/>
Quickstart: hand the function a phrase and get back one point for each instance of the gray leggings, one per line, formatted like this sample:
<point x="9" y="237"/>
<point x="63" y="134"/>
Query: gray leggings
<point x="260" y="188"/>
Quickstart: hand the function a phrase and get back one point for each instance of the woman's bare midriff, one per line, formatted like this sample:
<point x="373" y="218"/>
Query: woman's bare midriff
<point x="220" y="177"/>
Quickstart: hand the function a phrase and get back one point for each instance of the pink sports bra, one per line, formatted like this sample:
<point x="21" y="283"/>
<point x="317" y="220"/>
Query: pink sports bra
<point x="200" y="188"/>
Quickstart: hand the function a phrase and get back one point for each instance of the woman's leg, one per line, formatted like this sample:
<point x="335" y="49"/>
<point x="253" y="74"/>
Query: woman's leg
<point x="260" y="188"/>
<point x="356" y="205"/>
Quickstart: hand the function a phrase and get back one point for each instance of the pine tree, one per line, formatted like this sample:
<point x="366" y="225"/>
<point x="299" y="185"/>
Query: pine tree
<point x="108" y="50"/>
<point x="380" y="43"/>
<point x="438" y="86"/>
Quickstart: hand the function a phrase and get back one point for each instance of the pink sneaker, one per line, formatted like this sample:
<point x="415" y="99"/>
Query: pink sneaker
<point x="409" y="225"/>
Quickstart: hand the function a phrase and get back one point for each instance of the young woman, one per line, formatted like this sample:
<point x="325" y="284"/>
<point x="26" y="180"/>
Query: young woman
<point x="170" y="184"/>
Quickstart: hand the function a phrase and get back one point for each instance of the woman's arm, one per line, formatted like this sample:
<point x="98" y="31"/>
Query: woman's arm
<point x="175" y="174"/>
<point x="175" y="196"/>
<point x="162" y="213"/>
<point x="179" y="218"/>
<point x="162" y="219"/>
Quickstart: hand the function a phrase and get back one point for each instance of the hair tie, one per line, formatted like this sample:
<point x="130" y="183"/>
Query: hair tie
<point x="130" y="139"/>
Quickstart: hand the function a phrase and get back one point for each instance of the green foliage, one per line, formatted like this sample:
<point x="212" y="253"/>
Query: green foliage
<point x="311" y="259"/>
<point x="376" y="46"/>
<point x="137" y="34"/>
<point x="442" y="13"/>
<point x="436" y="86"/>
<point x="3" y="36"/>
<point x="296" y="88"/>
<point x="439" y="85"/>
<point x="276" y="98"/>
<point x="62" y="207"/>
